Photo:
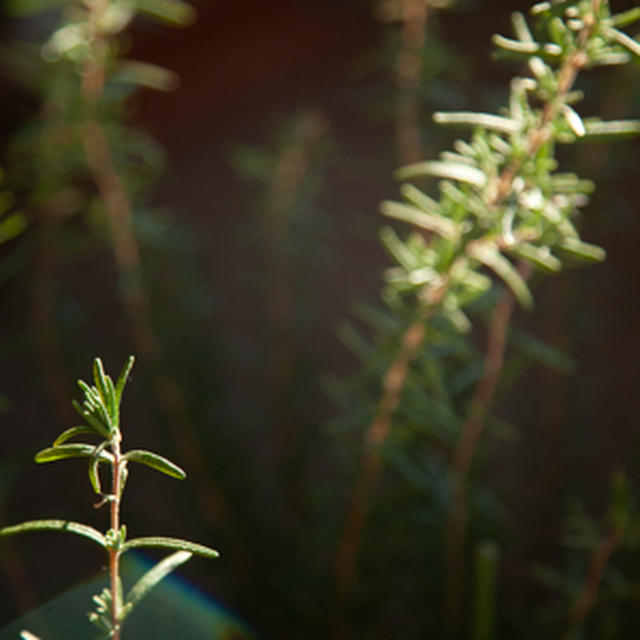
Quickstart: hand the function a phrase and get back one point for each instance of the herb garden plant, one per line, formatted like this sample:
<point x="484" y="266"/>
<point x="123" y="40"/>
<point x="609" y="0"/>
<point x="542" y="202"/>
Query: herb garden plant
<point x="502" y="209"/>
<point x="416" y="551"/>
<point x="100" y="411"/>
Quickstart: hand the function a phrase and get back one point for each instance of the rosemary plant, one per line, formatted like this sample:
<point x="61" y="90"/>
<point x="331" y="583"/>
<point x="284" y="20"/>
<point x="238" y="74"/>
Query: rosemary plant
<point x="502" y="209"/>
<point x="100" y="411"/>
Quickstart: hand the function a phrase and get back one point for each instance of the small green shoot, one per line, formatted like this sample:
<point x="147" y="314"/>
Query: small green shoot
<point x="101" y="413"/>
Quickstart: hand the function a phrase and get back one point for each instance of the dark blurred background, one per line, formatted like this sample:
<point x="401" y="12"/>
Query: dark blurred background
<point x="252" y="76"/>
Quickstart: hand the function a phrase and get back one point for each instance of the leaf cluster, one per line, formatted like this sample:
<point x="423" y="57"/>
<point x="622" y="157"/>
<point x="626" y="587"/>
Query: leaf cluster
<point x="502" y="201"/>
<point x="100" y="411"/>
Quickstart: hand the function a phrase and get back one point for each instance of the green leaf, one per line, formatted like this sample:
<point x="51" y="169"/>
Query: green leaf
<point x="631" y="45"/>
<point x="626" y="18"/>
<point x="573" y="120"/>
<point x="93" y="471"/>
<point x="541" y="351"/>
<point x="155" y="461"/>
<point x="547" y="50"/>
<point x="24" y="8"/>
<point x="520" y="27"/>
<point x="430" y="221"/>
<point x="583" y="250"/>
<point x="419" y="198"/>
<point x="612" y="130"/>
<point x="70" y="451"/>
<point x="151" y="578"/>
<point x="460" y="172"/>
<point x="171" y="543"/>
<point x="113" y="406"/>
<point x="72" y="433"/>
<point x="95" y="404"/>
<point x="93" y="420"/>
<point x="398" y="249"/>
<point x="472" y="119"/>
<point x="123" y="377"/>
<point x="12" y="225"/>
<point x="540" y="256"/>
<point x="145" y="75"/>
<point x="55" y="525"/>
<point x="177" y="13"/>
<point x="100" y="380"/>
<point x="493" y="259"/>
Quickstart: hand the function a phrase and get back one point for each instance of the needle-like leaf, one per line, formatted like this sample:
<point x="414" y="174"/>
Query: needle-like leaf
<point x="171" y="543"/>
<point x="155" y="461"/>
<point x="67" y="434"/>
<point x="64" y="451"/>
<point x="55" y="525"/>
<point x="123" y="377"/>
<point x="151" y="578"/>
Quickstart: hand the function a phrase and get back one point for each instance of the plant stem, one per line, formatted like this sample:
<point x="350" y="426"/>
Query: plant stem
<point x="345" y="560"/>
<point x="408" y="70"/>
<point x="471" y="432"/>
<point x="455" y="535"/>
<point x="585" y="600"/>
<point x="395" y="378"/>
<point x="114" y="553"/>
<point x="414" y="14"/>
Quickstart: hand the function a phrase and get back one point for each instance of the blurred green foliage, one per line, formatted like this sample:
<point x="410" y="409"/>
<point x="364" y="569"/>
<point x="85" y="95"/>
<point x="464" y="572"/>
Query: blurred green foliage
<point x="274" y="481"/>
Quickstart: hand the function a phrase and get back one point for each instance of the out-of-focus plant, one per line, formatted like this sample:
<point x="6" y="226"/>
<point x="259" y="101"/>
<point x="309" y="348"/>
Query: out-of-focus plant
<point x="502" y="209"/>
<point x="12" y="222"/>
<point x="100" y="412"/>
<point x="289" y="241"/>
<point x="596" y="585"/>
<point x="80" y="155"/>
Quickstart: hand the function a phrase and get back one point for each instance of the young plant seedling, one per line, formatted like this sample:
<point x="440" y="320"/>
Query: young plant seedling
<point x="101" y="413"/>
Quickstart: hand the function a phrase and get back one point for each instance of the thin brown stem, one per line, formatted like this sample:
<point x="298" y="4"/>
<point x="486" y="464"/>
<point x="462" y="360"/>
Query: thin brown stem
<point x="379" y="429"/>
<point x="455" y="535"/>
<point x="587" y="596"/>
<point x="472" y="430"/>
<point x="376" y="435"/>
<point x="413" y="14"/>
<point x="114" y="553"/>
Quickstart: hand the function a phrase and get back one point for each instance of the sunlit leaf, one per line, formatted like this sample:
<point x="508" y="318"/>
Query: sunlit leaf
<point x="70" y="451"/>
<point x="145" y="74"/>
<point x="492" y="258"/>
<point x="72" y="433"/>
<point x="539" y="256"/>
<point x="460" y="172"/>
<point x="123" y="377"/>
<point x="23" y="8"/>
<point x="583" y="250"/>
<point x="611" y="130"/>
<point x="631" y="45"/>
<point x="429" y="221"/>
<point x="472" y="119"/>
<point x="93" y="470"/>
<point x="171" y="543"/>
<point x="12" y="225"/>
<point x="93" y="421"/>
<point x="625" y="18"/>
<point x="55" y="525"/>
<point x="155" y="461"/>
<point x="151" y="578"/>
<point x="173" y="11"/>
